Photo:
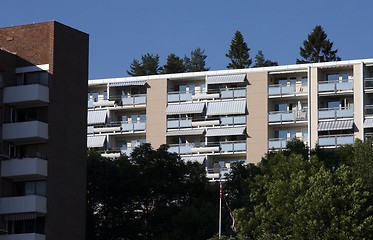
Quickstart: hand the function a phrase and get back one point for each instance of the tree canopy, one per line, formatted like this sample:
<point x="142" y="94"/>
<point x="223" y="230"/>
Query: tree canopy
<point x="238" y="53"/>
<point x="149" y="65"/>
<point x="174" y="65"/>
<point x="261" y="61"/>
<point x="152" y="194"/>
<point x="317" y="48"/>
<point x="196" y="62"/>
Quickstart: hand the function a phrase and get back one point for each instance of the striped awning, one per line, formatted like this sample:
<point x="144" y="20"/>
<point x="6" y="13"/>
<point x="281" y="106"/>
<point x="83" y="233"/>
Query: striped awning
<point x="368" y="123"/>
<point x="20" y="216"/>
<point x="199" y="159"/>
<point x="186" y="132"/>
<point x="95" y="141"/>
<point x="237" y="78"/>
<point x="335" y="125"/>
<point x="96" y="117"/>
<point x="226" y="108"/>
<point x="215" y="132"/>
<point x="127" y="83"/>
<point x="185" y="108"/>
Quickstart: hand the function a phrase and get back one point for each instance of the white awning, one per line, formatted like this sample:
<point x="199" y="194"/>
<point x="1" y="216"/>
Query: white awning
<point x="199" y="159"/>
<point x="185" y="108"/>
<point x="96" y="141"/>
<point x="368" y="123"/>
<point x="186" y="132"/>
<point x="96" y="117"/>
<point x="128" y="83"/>
<point x="237" y="78"/>
<point x="336" y="125"/>
<point x="225" y="131"/>
<point x="226" y="108"/>
<point x="289" y="71"/>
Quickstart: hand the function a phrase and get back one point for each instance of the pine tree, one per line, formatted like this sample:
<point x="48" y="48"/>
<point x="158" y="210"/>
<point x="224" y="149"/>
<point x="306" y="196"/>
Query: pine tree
<point x="149" y="66"/>
<point x="238" y="53"/>
<point x="196" y="62"/>
<point x="174" y="65"/>
<point x="260" y="60"/>
<point x="318" y="48"/>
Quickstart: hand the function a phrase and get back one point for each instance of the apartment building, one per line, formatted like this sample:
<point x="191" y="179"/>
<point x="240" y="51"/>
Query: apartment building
<point x="43" y="86"/>
<point x="220" y="117"/>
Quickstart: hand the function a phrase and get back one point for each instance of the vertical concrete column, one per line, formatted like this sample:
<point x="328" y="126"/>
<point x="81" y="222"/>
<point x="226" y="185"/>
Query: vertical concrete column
<point x="358" y="79"/>
<point x="156" y="103"/>
<point x="313" y="106"/>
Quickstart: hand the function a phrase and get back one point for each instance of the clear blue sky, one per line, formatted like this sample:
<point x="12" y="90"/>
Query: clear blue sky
<point x="121" y="30"/>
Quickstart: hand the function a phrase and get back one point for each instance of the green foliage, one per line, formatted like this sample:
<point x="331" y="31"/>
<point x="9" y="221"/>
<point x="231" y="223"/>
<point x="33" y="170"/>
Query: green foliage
<point x="149" y="66"/>
<point x="174" y="65"/>
<point x="196" y="61"/>
<point x="317" y="48"/>
<point x="152" y="194"/>
<point x="294" y="197"/>
<point x="238" y="53"/>
<point x="260" y="60"/>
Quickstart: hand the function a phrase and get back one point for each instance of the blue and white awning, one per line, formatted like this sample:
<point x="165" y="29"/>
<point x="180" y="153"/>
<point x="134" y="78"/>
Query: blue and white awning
<point x="185" y="132"/>
<point x="96" y="117"/>
<point x="335" y="125"/>
<point x="127" y="83"/>
<point x="95" y="141"/>
<point x="231" y="131"/>
<point x="226" y="108"/>
<point x="237" y="78"/>
<point x="186" y="108"/>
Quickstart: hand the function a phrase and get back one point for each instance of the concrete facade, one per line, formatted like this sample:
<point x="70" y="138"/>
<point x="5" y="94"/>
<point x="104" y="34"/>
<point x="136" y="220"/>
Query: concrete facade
<point x="52" y="60"/>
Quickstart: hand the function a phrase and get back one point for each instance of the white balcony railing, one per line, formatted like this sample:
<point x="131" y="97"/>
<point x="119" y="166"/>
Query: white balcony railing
<point x="218" y="94"/>
<point x="211" y="122"/>
<point x="23" y="236"/>
<point x="29" y="131"/>
<point x="287" y="116"/>
<point x="281" y="143"/>
<point x="336" y="140"/>
<point x="335" y="113"/>
<point x="209" y="148"/>
<point x="23" y="204"/>
<point x="134" y="99"/>
<point x="336" y="86"/>
<point x="33" y="93"/>
<point x="14" y="168"/>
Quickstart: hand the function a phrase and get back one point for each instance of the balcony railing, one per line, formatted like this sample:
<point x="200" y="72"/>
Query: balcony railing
<point x="336" y="86"/>
<point x="33" y="93"/>
<point x="209" y="148"/>
<point x="21" y="131"/>
<point x="287" y="116"/>
<point x="280" y="143"/>
<point x="368" y="110"/>
<point x="280" y="90"/>
<point x="23" y="204"/>
<point x="17" y="168"/>
<point x="114" y="127"/>
<point x="23" y="236"/>
<point x="218" y="94"/>
<point x="368" y="83"/>
<point x="202" y="122"/>
<point x="335" y="113"/>
<point x="368" y="135"/>
<point x="336" y="140"/>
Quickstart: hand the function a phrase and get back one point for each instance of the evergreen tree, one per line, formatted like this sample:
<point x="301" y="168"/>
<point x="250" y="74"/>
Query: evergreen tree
<point x="149" y="66"/>
<point x="260" y="60"/>
<point x="238" y="53"/>
<point x="196" y="62"/>
<point x="318" y="48"/>
<point x="174" y="65"/>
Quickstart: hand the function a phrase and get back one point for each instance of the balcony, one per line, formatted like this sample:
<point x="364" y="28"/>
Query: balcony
<point x="368" y="110"/>
<point x="33" y="94"/>
<point x="287" y="116"/>
<point x="23" y="236"/>
<point x="277" y="143"/>
<point x="209" y="148"/>
<point x="25" y="167"/>
<point x="133" y="100"/>
<point x="218" y="94"/>
<point x="368" y="84"/>
<point x="133" y="127"/>
<point x="25" y="131"/>
<point x="336" y="140"/>
<point x="335" y="86"/>
<point x="284" y="90"/>
<point x="211" y="122"/>
<point x="335" y="113"/>
<point x="23" y="204"/>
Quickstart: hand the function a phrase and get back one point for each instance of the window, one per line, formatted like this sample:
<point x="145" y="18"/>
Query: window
<point x="142" y="118"/>
<point x="332" y="77"/>
<point x="41" y="77"/>
<point x="1" y="79"/>
<point x="344" y="77"/>
<point x="30" y="188"/>
<point x="93" y="96"/>
<point x="281" y="134"/>
<point x="304" y="81"/>
<point x="282" y="107"/>
<point x="333" y="104"/>
<point x="105" y="95"/>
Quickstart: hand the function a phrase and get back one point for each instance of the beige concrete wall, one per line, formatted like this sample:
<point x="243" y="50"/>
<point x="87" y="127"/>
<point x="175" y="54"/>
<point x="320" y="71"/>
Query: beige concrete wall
<point x="313" y="106"/>
<point x="358" y="101"/>
<point x="156" y="112"/>
<point x="257" y="119"/>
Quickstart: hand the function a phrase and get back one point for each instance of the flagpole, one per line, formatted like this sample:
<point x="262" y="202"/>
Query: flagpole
<point x="221" y="196"/>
